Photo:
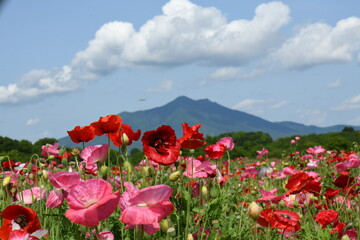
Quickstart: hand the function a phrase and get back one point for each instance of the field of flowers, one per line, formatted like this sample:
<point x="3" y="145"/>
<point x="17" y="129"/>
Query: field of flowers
<point x="98" y="193"/>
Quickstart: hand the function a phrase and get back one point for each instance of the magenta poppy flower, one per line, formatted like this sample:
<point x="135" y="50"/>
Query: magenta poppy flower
<point x="146" y="206"/>
<point x="198" y="169"/>
<point x="261" y="153"/>
<point x="91" y="201"/>
<point x="94" y="154"/>
<point x="49" y="149"/>
<point x="228" y="142"/>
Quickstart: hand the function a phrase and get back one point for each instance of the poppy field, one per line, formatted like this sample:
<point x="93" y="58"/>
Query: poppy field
<point x="96" y="192"/>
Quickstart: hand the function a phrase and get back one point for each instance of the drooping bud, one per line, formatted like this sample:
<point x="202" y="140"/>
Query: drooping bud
<point x="254" y="210"/>
<point x="45" y="174"/>
<point x="171" y="232"/>
<point x="125" y="139"/>
<point x="127" y="167"/>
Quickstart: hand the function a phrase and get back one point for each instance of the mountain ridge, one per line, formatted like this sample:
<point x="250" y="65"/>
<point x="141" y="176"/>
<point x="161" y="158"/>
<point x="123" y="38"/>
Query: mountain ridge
<point x="215" y="119"/>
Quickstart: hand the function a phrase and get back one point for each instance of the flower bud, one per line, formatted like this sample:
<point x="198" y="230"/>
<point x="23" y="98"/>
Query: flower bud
<point x="45" y="174"/>
<point x="50" y="157"/>
<point x="29" y="167"/>
<point x="174" y="176"/>
<point x="214" y="192"/>
<point x="164" y="225"/>
<point x="190" y="237"/>
<point x="127" y="166"/>
<point x="171" y="232"/>
<point x="254" y="210"/>
<point x="103" y="171"/>
<point x="345" y="237"/>
<point x="6" y="181"/>
<point x="31" y="176"/>
<point x="204" y="191"/>
<point x="148" y="171"/>
<point x="39" y="173"/>
<point x="75" y="151"/>
<point x="125" y="139"/>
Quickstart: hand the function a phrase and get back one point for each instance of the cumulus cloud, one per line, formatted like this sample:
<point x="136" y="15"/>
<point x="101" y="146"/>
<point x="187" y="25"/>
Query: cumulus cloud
<point x="320" y="43"/>
<point x="164" y="87"/>
<point x="32" y="121"/>
<point x="184" y="33"/>
<point x="349" y="104"/>
<point x="335" y="84"/>
<point x="312" y="116"/>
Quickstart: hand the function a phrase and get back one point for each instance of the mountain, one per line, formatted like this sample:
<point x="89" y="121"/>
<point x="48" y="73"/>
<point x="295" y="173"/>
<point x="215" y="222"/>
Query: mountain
<point x="215" y="119"/>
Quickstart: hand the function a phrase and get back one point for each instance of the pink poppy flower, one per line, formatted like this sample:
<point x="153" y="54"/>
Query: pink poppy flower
<point x="261" y="153"/>
<point x="198" y="169"/>
<point x="91" y="201"/>
<point x="316" y="150"/>
<point x="344" y="166"/>
<point x="94" y="154"/>
<point x="49" y="149"/>
<point x="146" y="206"/>
<point x="228" y="142"/>
<point x="32" y="195"/>
<point x="269" y="196"/>
<point x="63" y="182"/>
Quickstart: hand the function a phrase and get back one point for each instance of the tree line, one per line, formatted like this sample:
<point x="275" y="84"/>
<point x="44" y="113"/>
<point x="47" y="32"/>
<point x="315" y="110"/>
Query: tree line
<point x="246" y="144"/>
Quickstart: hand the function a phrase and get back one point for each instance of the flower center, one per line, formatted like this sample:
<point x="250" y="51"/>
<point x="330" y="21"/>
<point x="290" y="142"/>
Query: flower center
<point x="21" y="220"/>
<point x="285" y="216"/>
<point x="142" y="205"/>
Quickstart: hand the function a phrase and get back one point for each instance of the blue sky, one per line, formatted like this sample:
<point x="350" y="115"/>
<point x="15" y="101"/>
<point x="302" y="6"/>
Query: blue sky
<point x="66" y="63"/>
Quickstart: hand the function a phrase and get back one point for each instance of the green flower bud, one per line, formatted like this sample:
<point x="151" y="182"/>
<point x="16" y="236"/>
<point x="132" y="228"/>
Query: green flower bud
<point x="103" y="171"/>
<point x="6" y="181"/>
<point x="204" y="191"/>
<point x="164" y="225"/>
<point x="127" y="167"/>
<point x="174" y="176"/>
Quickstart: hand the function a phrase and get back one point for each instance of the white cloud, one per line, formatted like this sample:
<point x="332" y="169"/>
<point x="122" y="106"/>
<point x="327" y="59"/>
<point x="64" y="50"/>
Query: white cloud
<point x="320" y="43"/>
<point x="226" y="73"/>
<point x="249" y="104"/>
<point x="312" y="116"/>
<point x="32" y="121"/>
<point x="349" y="104"/>
<point x="335" y="84"/>
<point x="280" y="104"/>
<point x="164" y="87"/>
<point x="184" y="33"/>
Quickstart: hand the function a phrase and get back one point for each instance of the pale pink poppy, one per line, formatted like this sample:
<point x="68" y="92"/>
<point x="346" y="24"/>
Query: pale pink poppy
<point x="228" y="142"/>
<point x="20" y="234"/>
<point x="91" y="201"/>
<point x="50" y="149"/>
<point x="94" y="154"/>
<point x="297" y="138"/>
<point x="198" y="169"/>
<point x="146" y="206"/>
<point x="292" y="141"/>
<point x="31" y="195"/>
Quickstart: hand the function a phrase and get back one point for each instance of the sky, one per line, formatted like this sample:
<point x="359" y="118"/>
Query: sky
<point x="66" y="63"/>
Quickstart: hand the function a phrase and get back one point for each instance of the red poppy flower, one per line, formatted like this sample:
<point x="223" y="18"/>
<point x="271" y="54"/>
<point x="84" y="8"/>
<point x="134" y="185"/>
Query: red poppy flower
<point x="191" y="138"/>
<point x="343" y="181"/>
<point x="108" y="124"/>
<point x="215" y="151"/>
<point x="282" y="219"/>
<point x="25" y="217"/>
<point x="302" y="182"/>
<point x="125" y="134"/>
<point x="81" y="134"/>
<point x="326" y="217"/>
<point x="8" y="165"/>
<point x="161" y="145"/>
